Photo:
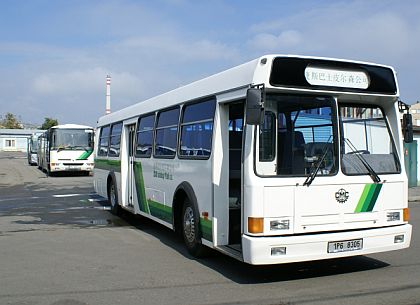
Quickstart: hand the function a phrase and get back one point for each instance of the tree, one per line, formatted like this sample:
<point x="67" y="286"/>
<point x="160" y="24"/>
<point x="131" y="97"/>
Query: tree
<point x="11" y="122"/>
<point x="49" y="122"/>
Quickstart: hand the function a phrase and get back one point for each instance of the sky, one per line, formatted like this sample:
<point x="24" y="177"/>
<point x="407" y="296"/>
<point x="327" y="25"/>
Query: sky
<point x="55" y="54"/>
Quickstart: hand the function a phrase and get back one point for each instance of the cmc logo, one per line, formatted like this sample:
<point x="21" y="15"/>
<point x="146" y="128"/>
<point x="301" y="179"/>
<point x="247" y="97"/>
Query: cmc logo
<point x="341" y="195"/>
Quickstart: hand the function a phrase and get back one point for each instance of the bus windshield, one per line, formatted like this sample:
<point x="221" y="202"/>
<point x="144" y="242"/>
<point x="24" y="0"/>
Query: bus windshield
<point x="365" y="138"/>
<point x="297" y="136"/>
<point x="33" y="145"/>
<point x="72" y="139"/>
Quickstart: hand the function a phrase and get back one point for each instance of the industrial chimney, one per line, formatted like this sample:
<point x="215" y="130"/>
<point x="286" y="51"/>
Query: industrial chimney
<point x="108" y="95"/>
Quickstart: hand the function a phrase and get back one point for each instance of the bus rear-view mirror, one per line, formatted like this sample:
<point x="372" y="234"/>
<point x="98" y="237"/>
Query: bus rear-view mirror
<point x="407" y="127"/>
<point x="254" y="106"/>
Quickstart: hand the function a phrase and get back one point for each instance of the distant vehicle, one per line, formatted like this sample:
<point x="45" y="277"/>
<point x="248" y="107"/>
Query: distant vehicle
<point x="66" y="147"/>
<point x="33" y="149"/>
<point x="281" y="159"/>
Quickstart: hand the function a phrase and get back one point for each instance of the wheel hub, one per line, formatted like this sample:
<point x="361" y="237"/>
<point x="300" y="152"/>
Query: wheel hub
<point x="189" y="224"/>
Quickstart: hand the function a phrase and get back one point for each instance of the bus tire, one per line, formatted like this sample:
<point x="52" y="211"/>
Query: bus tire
<point x="49" y="172"/>
<point x="191" y="232"/>
<point x="113" y="197"/>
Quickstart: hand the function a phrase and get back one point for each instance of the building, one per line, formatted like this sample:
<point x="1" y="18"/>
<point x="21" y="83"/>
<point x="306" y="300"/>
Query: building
<point x="16" y="139"/>
<point x="411" y="150"/>
<point x="415" y="112"/>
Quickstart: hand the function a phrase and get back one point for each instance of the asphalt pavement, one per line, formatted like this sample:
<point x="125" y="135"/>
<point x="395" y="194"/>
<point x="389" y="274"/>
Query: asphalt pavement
<point x="414" y="194"/>
<point x="60" y="245"/>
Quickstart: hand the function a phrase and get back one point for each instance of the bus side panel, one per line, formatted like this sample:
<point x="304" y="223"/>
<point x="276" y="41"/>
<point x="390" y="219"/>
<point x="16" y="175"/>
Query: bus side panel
<point x="198" y="174"/>
<point x="154" y="187"/>
<point x="156" y="181"/>
<point x="99" y="181"/>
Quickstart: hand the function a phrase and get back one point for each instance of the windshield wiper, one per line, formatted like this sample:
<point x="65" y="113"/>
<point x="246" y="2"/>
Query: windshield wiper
<point x="373" y="175"/>
<point x="312" y="175"/>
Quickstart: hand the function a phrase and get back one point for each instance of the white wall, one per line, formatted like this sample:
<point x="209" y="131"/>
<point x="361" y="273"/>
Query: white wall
<point x="21" y="143"/>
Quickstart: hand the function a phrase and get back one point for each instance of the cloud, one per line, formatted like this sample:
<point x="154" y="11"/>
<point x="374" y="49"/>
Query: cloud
<point x="201" y="49"/>
<point x="76" y="81"/>
<point x="384" y="32"/>
<point x="89" y="83"/>
<point x="271" y="42"/>
<point x="356" y="30"/>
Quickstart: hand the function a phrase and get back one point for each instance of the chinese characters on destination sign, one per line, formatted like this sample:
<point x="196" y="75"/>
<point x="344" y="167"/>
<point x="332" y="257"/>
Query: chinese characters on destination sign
<point x="336" y="78"/>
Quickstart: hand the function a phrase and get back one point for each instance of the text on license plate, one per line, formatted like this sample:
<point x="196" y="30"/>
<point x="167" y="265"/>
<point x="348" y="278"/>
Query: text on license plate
<point x="345" y="245"/>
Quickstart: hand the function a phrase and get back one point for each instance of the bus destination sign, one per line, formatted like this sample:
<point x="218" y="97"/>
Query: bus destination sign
<point x="336" y="78"/>
<point x="332" y="75"/>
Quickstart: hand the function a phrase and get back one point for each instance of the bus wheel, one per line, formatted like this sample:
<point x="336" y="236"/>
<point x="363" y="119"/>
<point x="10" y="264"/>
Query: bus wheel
<point x="113" y="198"/>
<point x="191" y="230"/>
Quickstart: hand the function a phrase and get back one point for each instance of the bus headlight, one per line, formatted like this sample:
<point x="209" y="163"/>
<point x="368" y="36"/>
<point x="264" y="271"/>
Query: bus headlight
<point x="393" y="216"/>
<point x="280" y="225"/>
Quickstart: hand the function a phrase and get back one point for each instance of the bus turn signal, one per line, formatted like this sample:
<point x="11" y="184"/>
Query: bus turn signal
<point x="406" y="214"/>
<point x="255" y="225"/>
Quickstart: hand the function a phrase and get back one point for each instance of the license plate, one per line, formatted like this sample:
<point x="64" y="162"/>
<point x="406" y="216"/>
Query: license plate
<point x="345" y="245"/>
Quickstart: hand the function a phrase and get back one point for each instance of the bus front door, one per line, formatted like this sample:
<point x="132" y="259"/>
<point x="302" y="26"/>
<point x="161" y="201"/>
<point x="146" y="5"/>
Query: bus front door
<point x="236" y="118"/>
<point x="130" y="173"/>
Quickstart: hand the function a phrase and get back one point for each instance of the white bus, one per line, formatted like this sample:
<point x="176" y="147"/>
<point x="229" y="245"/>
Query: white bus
<point x="67" y="147"/>
<point x="281" y="159"/>
<point x="33" y="149"/>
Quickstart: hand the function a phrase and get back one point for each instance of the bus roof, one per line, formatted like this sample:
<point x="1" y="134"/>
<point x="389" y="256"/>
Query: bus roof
<point x="234" y="78"/>
<point x="71" y="126"/>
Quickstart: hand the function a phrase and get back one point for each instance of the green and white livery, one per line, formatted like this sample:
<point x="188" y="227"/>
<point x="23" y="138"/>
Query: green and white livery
<point x="66" y="148"/>
<point x="281" y="159"/>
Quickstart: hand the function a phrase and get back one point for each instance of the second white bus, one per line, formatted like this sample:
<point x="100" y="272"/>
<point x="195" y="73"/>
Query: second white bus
<point x="33" y="149"/>
<point x="66" y="148"/>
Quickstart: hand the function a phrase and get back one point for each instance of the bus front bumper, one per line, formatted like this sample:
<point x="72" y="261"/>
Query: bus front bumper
<point x="288" y="249"/>
<point x="77" y="167"/>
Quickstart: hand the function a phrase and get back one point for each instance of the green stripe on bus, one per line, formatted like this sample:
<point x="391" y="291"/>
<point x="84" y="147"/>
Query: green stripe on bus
<point x="160" y="211"/>
<point x="375" y="194"/>
<point x="85" y="155"/>
<point x="368" y="198"/>
<point x="109" y="165"/>
<point x="206" y="228"/>
<point x="140" y="188"/>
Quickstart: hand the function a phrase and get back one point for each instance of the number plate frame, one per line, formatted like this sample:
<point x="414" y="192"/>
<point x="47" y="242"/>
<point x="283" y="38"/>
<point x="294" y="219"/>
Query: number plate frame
<point x="345" y="245"/>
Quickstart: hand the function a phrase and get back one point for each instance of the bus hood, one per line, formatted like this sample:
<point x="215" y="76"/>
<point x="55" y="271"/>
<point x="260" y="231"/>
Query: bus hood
<point x="353" y="206"/>
<point x="333" y="207"/>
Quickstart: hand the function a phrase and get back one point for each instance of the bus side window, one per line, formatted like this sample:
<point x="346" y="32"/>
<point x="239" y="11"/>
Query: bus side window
<point x="166" y="133"/>
<point x="197" y="130"/>
<point x="115" y="139"/>
<point x="103" y="141"/>
<point x="145" y="136"/>
<point x="267" y="141"/>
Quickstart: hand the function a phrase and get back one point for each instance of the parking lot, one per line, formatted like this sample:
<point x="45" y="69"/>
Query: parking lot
<point x="60" y="245"/>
